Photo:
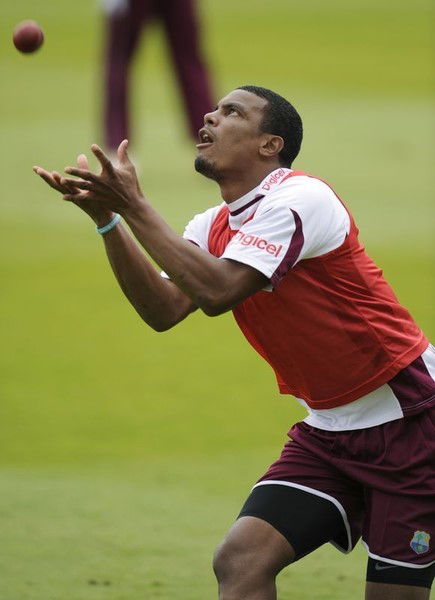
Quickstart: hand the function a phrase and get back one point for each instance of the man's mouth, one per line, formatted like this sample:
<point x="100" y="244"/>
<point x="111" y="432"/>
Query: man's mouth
<point x="205" y="139"/>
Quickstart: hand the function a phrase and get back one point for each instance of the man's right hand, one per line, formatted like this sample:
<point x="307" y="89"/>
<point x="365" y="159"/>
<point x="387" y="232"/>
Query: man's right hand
<point x="100" y="215"/>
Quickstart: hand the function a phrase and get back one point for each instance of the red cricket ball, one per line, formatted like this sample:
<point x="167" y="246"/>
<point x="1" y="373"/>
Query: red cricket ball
<point x="28" y="36"/>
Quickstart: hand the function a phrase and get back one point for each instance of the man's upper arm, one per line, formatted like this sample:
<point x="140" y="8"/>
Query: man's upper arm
<point x="242" y="281"/>
<point x="302" y="219"/>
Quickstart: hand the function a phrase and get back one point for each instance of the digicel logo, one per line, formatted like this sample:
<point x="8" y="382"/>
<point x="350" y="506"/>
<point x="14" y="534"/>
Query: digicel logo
<point x="274" y="178"/>
<point x="254" y="240"/>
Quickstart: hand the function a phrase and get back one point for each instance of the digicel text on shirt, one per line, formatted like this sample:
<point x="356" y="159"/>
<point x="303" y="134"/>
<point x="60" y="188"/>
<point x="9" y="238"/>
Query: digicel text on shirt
<point x="251" y="240"/>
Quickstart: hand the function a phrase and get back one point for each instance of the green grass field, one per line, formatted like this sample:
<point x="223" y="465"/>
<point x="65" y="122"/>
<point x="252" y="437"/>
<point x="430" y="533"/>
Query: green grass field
<point x="126" y="454"/>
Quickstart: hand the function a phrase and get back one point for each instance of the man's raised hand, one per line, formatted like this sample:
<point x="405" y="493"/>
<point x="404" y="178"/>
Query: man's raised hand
<point x="53" y="178"/>
<point x="115" y="188"/>
<point x="59" y="183"/>
<point x="72" y="193"/>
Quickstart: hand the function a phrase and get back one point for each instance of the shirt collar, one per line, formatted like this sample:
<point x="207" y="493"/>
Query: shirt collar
<point x="245" y="206"/>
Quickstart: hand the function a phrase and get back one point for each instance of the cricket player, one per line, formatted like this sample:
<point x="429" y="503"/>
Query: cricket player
<point x="282" y="252"/>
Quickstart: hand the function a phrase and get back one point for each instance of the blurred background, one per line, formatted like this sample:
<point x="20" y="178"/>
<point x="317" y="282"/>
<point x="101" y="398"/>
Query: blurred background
<point x="126" y="454"/>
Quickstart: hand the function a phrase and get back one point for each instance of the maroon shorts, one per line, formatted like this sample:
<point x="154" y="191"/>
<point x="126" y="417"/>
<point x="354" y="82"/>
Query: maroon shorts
<point x="381" y="479"/>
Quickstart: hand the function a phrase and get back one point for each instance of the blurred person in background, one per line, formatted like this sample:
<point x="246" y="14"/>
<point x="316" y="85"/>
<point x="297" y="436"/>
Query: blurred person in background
<point x="125" y="20"/>
<point x="282" y="252"/>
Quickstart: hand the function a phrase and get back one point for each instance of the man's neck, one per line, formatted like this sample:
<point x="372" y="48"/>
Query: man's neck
<point x="233" y="188"/>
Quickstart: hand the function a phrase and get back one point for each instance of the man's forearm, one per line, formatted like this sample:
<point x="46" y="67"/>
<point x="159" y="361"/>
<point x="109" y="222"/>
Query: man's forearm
<point x="207" y="280"/>
<point x="157" y="301"/>
<point x="211" y="284"/>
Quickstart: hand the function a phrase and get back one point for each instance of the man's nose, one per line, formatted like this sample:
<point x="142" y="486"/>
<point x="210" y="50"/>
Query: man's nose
<point x="210" y="118"/>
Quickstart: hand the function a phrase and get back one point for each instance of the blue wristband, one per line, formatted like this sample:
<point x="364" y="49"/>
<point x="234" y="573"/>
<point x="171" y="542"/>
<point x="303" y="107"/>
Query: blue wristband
<point x="109" y="225"/>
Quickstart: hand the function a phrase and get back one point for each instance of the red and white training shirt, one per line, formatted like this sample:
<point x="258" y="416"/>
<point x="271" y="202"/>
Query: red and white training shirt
<point x="328" y="323"/>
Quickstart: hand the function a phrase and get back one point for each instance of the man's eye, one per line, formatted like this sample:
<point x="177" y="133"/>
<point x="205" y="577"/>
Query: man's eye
<point x="232" y="109"/>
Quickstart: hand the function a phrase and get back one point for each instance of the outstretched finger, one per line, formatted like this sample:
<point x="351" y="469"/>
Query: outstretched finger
<point x="48" y="178"/>
<point x="102" y="158"/>
<point x="122" y="152"/>
<point x="82" y="162"/>
<point x="82" y="173"/>
<point x="74" y="184"/>
<point x="58" y="179"/>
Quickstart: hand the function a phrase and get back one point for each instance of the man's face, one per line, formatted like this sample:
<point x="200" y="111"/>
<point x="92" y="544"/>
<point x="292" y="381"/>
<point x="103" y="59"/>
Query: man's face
<point x="230" y="138"/>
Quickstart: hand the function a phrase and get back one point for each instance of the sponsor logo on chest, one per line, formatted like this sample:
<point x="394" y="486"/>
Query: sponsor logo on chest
<point x="258" y="242"/>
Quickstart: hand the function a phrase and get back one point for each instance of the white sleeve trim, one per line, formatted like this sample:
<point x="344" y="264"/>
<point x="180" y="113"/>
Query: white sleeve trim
<point x="198" y="228"/>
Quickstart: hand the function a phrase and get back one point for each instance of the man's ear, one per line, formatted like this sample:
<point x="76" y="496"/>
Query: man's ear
<point x="271" y="146"/>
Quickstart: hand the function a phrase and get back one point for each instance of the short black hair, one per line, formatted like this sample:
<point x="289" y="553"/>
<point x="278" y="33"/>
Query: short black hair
<point x="280" y="118"/>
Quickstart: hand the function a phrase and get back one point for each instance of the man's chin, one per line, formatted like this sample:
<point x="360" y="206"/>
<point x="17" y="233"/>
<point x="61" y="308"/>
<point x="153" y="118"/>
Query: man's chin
<point x="207" y="168"/>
